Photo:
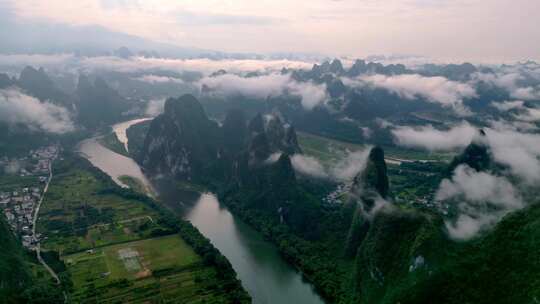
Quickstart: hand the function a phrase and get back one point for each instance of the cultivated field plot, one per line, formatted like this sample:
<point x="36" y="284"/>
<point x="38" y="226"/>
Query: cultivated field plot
<point x="157" y="270"/>
<point x="77" y="215"/>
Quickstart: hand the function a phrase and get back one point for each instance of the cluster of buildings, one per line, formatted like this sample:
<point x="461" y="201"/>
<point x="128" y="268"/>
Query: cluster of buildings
<point x="19" y="204"/>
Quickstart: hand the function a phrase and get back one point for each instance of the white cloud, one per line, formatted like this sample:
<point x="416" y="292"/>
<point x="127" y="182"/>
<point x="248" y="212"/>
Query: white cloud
<point x="203" y="65"/>
<point x="137" y="64"/>
<point x="158" y="79"/>
<point x="529" y="115"/>
<point x="527" y="93"/>
<point x="16" y="107"/>
<point x="434" y="89"/>
<point x="264" y="86"/>
<point x="155" y="107"/>
<point x="432" y="139"/>
<point x="481" y="199"/>
<point x="308" y="165"/>
<point x="383" y="123"/>
<point x="347" y="168"/>
<point x="508" y="105"/>
<point x="519" y="151"/>
<point x="503" y="125"/>
<point x="509" y="80"/>
<point x="466" y="227"/>
<point x="343" y="170"/>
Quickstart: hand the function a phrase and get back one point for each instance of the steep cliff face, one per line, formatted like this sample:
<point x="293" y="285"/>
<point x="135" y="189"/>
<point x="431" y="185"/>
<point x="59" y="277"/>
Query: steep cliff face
<point x="476" y="155"/>
<point x="38" y="84"/>
<point x="368" y="193"/>
<point x="97" y="103"/>
<point x="5" y="81"/>
<point x="374" y="179"/>
<point x="182" y="141"/>
<point x="235" y="132"/>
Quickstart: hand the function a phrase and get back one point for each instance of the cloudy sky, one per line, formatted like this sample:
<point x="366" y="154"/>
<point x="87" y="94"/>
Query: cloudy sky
<point x="450" y="29"/>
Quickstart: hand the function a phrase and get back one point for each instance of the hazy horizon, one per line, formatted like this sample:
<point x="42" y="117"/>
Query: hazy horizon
<point x="445" y="30"/>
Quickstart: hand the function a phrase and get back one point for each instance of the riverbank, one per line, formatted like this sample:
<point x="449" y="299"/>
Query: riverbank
<point x="89" y="236"/>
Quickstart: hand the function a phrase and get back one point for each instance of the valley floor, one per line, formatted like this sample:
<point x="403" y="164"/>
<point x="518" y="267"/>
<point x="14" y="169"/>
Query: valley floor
<point x="111" y="245"/>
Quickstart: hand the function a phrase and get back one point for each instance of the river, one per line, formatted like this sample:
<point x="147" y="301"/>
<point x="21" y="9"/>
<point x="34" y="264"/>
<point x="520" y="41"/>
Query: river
<point x="264" y="274"/>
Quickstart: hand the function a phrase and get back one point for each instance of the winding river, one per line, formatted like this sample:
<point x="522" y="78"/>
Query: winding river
<point x="264" y="274"/>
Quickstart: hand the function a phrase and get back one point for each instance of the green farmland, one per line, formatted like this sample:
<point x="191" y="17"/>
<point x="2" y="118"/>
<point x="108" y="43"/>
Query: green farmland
<point x="158" y="270"/>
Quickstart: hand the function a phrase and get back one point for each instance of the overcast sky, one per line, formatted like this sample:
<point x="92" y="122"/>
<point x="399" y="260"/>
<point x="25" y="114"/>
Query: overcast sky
<point x="444" y="29"/>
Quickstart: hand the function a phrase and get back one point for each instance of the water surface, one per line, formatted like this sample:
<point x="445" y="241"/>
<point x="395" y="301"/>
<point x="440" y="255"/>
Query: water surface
<point x="264" y="274"/>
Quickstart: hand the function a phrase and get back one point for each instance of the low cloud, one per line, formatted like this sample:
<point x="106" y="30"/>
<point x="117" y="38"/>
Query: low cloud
<point x="383" y="123"/>
<point x="347" y="168"/>
<point x="18" y="108"/>
<point x="158" y="79"/>
<point x="509" y="145"/>
<point x="524" y="113"/>
<point x="508" y="105"/>
<point x="427" y="137"/>
<point x="511" y="81"/>
<point x="138" y="64"/>
<point x="504" y="125"/>
<point x="154" y="107"/>
<point x="343" y="170"/>
<point x="262" y="87"/>
<point x="481" y="200"/>
<point x="529" y="115"/>
<point x="519" y="151"/>
<point x="434" y="89"/>
<point x="308" y="165"/>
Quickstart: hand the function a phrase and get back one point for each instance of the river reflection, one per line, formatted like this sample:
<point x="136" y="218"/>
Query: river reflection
<point x="264" y="274"/>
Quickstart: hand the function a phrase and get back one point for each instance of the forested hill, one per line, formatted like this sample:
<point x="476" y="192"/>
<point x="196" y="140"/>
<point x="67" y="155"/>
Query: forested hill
<point x="369" y="249"/>
<point x="14" y="273"/>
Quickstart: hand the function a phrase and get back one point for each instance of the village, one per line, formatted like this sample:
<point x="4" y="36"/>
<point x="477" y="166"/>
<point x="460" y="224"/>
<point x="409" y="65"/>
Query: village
<point x="19" y="204"/>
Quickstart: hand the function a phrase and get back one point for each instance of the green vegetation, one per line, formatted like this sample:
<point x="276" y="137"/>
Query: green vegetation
<point x="404" y="254"/>
<point x="14" y="273"/>
<point x="22" y="279"/>
<point x="79" y="214"/>
<point x="161" y="269"/>
<point x="137" y="134"/>
<point x="111" y="142"/>
<point x="329" y="150"/>
<point x="136" y="185"/>
<point x="13" y="181"/>
<point x="87" y="220"/>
